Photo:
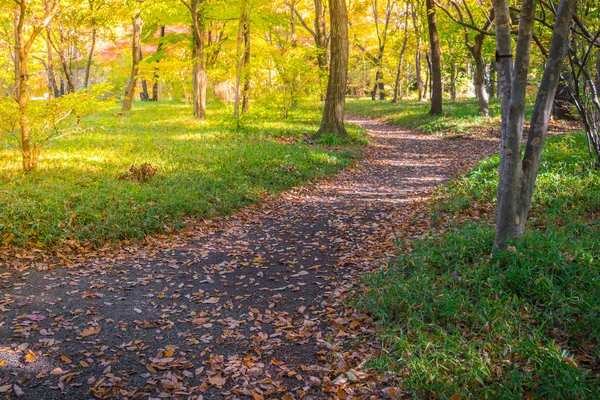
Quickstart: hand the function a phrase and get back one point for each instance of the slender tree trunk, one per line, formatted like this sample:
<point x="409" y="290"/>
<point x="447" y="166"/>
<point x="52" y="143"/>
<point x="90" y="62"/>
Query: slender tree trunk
<point x="29" y="150"/>
<point x="144" y="95"/>
<point x="417" y="53"/>
<point x="398" y="83"/>
<point x="492" y="80"/>
<point x="155" y="77"/>
<point x="246" y="74"/>
<point x="436" y="55"/>
<point x="517" y="176"/>
<point x="479" y="78"/>
<point x="333" y="113"/>
<point x="320" y="36"/>
<point x="52" y="86"/>
<point x="199" y="79"/>
<point x="480" y="92"/>
<point x="135" y="67"/>
<point x="90" y="58"/>
<point x="453" y="82"/>
<point x="240" y="54"/>
<point x="65" y="62"/>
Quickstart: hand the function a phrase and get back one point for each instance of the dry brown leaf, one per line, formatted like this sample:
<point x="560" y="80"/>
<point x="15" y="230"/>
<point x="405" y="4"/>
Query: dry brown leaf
<point x="90" y="331"/>
<point x="217" y="381"/>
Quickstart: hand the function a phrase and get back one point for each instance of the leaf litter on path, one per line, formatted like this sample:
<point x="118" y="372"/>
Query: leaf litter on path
<point x="254" y="305"/>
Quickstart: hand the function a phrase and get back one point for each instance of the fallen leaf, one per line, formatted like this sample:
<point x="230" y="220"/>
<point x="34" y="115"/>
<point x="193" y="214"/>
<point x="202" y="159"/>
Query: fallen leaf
<point x="90" y="331"/>
<point x="217" y="380"/>
<point x="30" y="357"/>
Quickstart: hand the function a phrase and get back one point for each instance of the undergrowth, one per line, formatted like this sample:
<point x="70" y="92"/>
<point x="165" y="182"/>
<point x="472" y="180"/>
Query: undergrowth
<point x="199" y="169"/>
<point x="457" y="320"/>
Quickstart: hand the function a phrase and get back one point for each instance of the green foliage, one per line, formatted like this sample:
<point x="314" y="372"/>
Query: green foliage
<point x="50" y="119"/>
<point x="457" y="319"/>
<point x="204" y="169"/>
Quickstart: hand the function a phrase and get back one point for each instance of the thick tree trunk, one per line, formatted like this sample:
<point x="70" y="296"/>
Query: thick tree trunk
<point x="517" y="176"/>
<point x="333" y="113"/>
<point x="436" y="55"/>
<point x="135" y="67"/>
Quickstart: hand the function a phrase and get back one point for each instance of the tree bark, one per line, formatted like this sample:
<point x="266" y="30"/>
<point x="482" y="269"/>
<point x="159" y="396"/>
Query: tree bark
<point x="144" y="95"/>
<point x="417" y="54"/>
<point x="135" y="67"/>
<point x="332" y="121"/>
<point x="90" y="58"/>
<point x="53" y="90"/>
<point x="156" y="76"/>
<point x="436" y="55"/>
<point x="398" y="83"/>
<point x="241" y="52"/>
<point x="517" y="176"/>
<point x="246" y="74"/>
<point x="453" y="73"/>
<point x="199" y="78"/>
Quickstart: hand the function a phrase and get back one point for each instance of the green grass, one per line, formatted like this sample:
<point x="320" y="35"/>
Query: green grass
<point x="205" y="169"/>
<point x="460" y="118"/>
<point x="456" y="319"/>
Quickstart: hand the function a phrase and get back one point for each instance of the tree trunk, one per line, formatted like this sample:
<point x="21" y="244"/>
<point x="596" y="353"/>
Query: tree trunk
<point x="398" y="84"/>
<point x="29" y="150"/>
<point x="479" y="78"/>
<point x="320" y="36"/>
<point x="144" y="95"/>
<point x="135" y="67"/>
<point x="240" y="54"/>
<point x="492" y="80"/>
<point x="480" y="92"/>
<point x="155" y="77"/>
<point x="453" y="82"/>
<point x="517" y="176"/>
<point x="53" y="91"/>
<point x="436" y="67"/>
<point x="88" y="66"/>
<point x="246" y="74"/>
<point x="417" y="53"/>
<point x="333" y="113"/>
<point x="199" y="78"/>
<point x="65" y="62"/>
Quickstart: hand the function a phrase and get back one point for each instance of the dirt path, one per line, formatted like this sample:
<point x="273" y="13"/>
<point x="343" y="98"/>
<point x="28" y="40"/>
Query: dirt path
<point x="244" y="306"/>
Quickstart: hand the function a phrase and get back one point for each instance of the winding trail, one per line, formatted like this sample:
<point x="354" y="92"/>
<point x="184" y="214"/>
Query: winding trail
<point x="247" y="305"/>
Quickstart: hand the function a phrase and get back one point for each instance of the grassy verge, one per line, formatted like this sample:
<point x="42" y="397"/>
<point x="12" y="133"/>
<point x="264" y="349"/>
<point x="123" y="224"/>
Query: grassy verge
<point x="204" y="169"/>
<point x="460" y="118"/>
<point x="456" y="319"/>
